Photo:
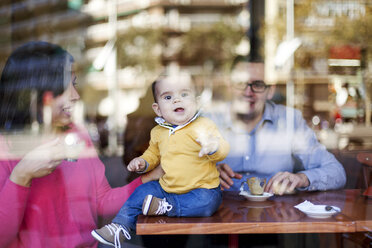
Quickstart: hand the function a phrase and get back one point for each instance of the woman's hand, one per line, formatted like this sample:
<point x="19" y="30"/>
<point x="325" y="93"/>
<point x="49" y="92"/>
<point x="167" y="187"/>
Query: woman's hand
<point x="285" y="182"/>
<point x="39" y="162"/>
<point x="226" y="175"/>
<point x="153" y="175"/>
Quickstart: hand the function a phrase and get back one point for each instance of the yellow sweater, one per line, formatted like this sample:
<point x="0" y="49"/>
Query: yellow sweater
<point x="178" y="154"/>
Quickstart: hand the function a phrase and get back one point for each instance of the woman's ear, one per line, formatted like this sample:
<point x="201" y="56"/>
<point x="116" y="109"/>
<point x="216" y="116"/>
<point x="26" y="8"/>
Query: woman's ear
<point x="156" y="109"/>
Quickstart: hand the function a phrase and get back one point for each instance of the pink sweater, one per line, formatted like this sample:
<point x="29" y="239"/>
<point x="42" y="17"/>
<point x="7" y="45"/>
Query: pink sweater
<point x="58" y="210"/>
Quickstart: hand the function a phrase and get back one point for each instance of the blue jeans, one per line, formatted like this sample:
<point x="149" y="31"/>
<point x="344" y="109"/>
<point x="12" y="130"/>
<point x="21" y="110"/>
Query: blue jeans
<point x="196" y="203"/>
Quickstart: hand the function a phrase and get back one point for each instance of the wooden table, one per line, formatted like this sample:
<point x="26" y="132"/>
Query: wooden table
<point x="276" y="215"/>
<point x="359" y="209"/>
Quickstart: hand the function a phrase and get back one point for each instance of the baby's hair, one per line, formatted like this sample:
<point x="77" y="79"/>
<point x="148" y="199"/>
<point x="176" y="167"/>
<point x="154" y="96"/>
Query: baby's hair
<point x="153" y="88"/>
<point x="164" y="75"/>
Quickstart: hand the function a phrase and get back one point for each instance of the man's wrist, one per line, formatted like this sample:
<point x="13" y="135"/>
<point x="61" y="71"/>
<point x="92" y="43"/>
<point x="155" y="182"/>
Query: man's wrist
<point x="304" y="180"/>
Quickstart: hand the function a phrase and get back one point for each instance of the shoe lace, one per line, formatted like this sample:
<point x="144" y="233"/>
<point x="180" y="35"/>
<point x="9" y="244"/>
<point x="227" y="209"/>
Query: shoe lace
<point x="115" y="230"/>
<point x="164" y="206"/>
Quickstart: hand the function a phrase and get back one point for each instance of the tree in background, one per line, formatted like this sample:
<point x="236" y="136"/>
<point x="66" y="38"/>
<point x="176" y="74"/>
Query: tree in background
<point x="140" y="47"/>
<point x="214" y="44"/>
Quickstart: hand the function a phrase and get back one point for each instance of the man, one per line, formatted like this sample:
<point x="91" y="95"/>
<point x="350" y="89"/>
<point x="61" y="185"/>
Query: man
<point x="271" y="140"/>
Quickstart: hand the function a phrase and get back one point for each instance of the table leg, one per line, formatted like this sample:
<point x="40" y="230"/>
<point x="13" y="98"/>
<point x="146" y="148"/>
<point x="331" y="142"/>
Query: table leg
<point x="233" y="241"/>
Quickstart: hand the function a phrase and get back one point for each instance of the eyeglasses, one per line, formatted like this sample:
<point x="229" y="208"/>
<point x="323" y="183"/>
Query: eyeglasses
<point x="257" y="86"/>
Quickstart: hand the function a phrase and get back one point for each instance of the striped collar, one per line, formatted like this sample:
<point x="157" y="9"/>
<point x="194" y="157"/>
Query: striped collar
<point x="173" y="128"/>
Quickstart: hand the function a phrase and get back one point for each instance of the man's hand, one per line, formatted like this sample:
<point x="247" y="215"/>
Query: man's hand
<point x="137" y="164"/>
<point x="285" y="182"/>
<point x="226" y="175"/>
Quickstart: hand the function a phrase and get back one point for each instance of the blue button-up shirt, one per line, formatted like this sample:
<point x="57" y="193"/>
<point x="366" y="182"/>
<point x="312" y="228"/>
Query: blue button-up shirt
<point x="281" y="141"/>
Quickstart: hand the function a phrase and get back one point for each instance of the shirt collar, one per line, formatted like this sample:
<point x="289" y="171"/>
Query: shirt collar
<point x="268" y="115"/>
<point x="171" y="127"/>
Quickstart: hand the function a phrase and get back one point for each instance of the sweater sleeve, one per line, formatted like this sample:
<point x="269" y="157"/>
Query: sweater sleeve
<point x="320" y="166"/>
<point x="13" y="199"/>
<point x="152" y="153"/>
<point x="223" y="146"/>
<point x="110" y="200"/>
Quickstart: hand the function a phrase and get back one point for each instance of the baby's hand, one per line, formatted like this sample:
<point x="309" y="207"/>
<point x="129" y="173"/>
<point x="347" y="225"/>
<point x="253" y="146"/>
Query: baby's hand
<point x="137" y="164"/>
<point x="209" y="144"/>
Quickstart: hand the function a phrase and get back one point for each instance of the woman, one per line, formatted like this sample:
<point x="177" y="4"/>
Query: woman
<point x="46" y="200"/>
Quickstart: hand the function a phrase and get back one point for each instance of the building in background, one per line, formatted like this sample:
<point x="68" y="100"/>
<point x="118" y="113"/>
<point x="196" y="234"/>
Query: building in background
<point x="314" y="56"/>
<point x="323" y="57"/>
<point x="120" y="46"/>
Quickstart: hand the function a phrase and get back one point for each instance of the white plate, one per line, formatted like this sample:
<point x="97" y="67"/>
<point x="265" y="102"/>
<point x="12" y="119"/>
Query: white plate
<point x="256" y="198"/>
<point x="319" y="211"/>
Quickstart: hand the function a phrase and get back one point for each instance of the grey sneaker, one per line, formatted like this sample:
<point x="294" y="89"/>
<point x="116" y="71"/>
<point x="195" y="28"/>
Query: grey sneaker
<point x="111" y="234"/>
<point x="155" y="206"/>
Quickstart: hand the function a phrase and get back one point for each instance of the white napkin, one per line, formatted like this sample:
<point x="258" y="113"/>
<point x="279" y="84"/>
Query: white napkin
<point x="307" y="206"/>
<point x="304" y="206"/>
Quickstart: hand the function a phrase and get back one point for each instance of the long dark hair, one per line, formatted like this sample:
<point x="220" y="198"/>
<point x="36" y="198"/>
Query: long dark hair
<point x="31" y="70"/>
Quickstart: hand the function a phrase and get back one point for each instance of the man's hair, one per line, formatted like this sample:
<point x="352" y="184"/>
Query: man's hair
<point x="245" y="59"/>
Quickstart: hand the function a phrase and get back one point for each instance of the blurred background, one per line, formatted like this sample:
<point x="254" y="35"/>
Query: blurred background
<point x="316" y="51"/>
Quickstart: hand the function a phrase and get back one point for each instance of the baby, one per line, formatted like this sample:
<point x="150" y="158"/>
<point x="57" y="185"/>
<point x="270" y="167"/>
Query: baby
<point x="187" y="146"/>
